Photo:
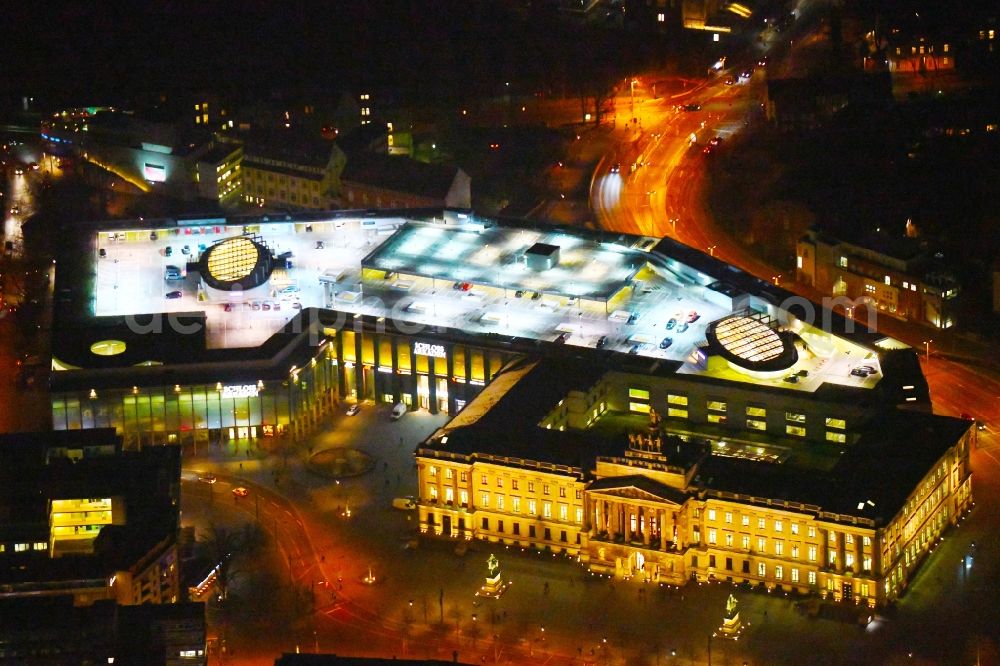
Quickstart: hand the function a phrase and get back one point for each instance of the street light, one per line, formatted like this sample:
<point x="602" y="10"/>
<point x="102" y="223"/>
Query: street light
<point x="711" y="250"/>
<point x="927" y="348"/>
<point x="631" y="84"/>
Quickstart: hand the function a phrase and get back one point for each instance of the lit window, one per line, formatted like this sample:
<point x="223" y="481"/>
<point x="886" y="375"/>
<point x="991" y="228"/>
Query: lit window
<point x="761" y="569"/>
<point x="515" y="504"/>
<point x="779" y="547"/>
<point x="711" y="514"/>
<point x="533" y="507"/>
<point x="40" y="545"/>
<point x="673" y="412"/>
<point x="848" y="539"/>
<point x="545" y="489"/>
<point x="812" y="532"/>
<point x="746" y="542"/>
<point x="448" y="473"/>
<point x="761" y="524"/>
<point x="838" y="437"/>
<point x="756" y="411"/>
<point x="677" y="399"/>
<point x="716" y="405"/>
<point x="745" y="520"/>
<point x="562" y="491"/>
<point x="499" y="482"/>
<point x="840" y="424"/>
<point x="798" y="261"/>
<point x="797" y="431"/>
<point x="729" y="539"/>
<point x="795" y="575"/>
<point x="563" y="512"/>
<point x="761" y="544"/>
<point x="484" y="500"/>
<point x="779" y="526"/>
<point x="696" y="535"/>
<point x="638" y="407"/>
<point x="499" y="502"/>
<point x="463" y="477"/>
<point x="842" y="262"/>
<point x="434" y="493"/>
<point x="483" y="479"/>
<point x="449" y="495"/>
<point x="756" y="424"/>
<point x="464" y="497"/>
<point x="716" y="418"/>
<point x="831" y="536"/>
<point x="795" y="417"/>
<point x="434" y="470"/>
<point x="812" y="577"/>
<point x="812" y="553"/>
<point x="729" y="517"/>
<point x="866" y="541"/>
<point x="711" y="536"/>
<point x="638" y="394"/>
<point x="888" y="280"/>
<point x="849" y="560"/>
<point x="832" y="559"/>
<point x="795" y="552"/>
<point x="547" y="509"/>
<point x="579" y="515"/>
<point x="779" y="572"/>
<point x="867" y="563"/>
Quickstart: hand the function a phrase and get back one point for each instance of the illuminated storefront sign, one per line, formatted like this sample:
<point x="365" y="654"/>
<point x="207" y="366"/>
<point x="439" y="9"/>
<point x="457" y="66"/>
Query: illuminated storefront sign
<point x="424" y="349"/>
<point x="240" y="391"/>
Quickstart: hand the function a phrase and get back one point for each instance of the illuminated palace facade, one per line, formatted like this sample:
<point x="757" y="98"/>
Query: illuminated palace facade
<point x="592" y="475"/>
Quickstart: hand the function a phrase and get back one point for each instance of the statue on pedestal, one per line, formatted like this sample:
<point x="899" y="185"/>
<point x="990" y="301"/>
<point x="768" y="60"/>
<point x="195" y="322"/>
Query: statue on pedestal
<point x="732" y="626"/>
<point x="494" y="585"/>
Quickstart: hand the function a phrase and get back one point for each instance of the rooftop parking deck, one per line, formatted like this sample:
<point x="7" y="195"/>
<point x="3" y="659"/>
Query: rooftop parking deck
<point x="610" y="293"/>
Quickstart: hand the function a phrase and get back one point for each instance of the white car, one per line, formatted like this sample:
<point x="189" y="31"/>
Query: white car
<point x="290" y="289"/>
<point x="353" y="409"/>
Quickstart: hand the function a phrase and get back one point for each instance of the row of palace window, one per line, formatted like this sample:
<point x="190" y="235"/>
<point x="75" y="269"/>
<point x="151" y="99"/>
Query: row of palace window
<point x="500" y="503"/>
<point x="677" y="405"/>
<point x="516" y="531"/>
<point x="779" y="549"/>
<point x="449" y="474"/>
<point x="778" y="525"/>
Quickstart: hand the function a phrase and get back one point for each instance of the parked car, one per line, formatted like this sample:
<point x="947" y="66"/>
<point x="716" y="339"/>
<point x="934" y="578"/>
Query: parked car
<point x="265" y="306"/>
<point x="102" y="253"/>
<point x="693" y="316"/>
<point x="536" y="296"/>
<point x="601" y="342"/>
<point x="671" y="323"/>
<point x="398" y="410"/>
<point x="634" y="349"/>
<point x="172" y="295"/>
<point x="792" y="379"/>
<point x="353" y="409"/>
<point x="681" y="327"/>
<point x="290" y="289"/>
<point x="153" y="236"/>
<point x="186" y="250"/>
<point x="519" y="293"/>
<point x="562" y="338"/>
<point x="255" y="306"/>
<point x="666" y="342"/>
<point x="240" y="491"/>
<point x="168" y="251"/>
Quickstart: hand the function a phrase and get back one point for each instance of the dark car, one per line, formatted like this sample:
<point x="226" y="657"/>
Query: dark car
<point x="537" y="295"/>
<point x="634" y="349"/>
<point x="692" y="107"/>
<point x="601" y="342"/>
<point x="519" y="293"/>
<point x="666" y="342"/>
<point x="174" y="294"/>
<point x="632" y="318"/>
<point x="792" y="379"/>
<point x="102" y="253"/>
<point x="167" y="251"/>
<point x="153" y="236"/>
<point x="730" y="80"/>
<point x="562" y="338"/>
<point x="715" y="140"/>
<point x="616" y="167"/>
<point x="186" y="250"/>
<point x="671" y="323"/>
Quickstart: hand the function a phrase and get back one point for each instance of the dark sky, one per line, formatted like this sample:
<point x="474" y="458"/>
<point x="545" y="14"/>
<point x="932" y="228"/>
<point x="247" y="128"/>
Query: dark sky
<point x="99" y="51"/>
